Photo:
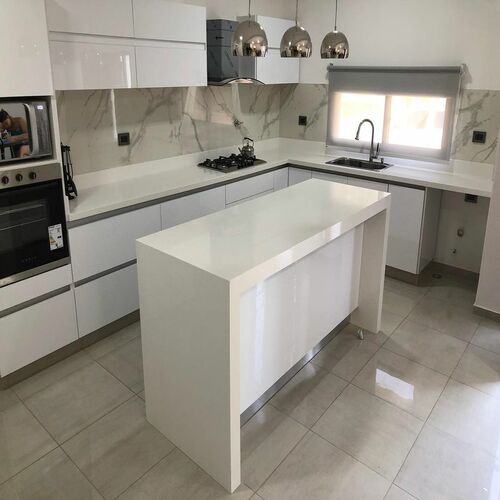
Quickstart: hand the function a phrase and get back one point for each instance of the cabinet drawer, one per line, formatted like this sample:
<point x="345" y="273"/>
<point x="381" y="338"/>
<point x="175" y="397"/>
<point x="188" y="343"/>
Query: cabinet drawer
<point x="106" y="299"/>
<point x="296" y="175"/>
<point x="107" y="243"/>
<point x="377" y="186"/>
<point x="330" y="177"/>
<point x="249" y="187"/>
<point x="193" y="206"/>
<point x="38" y="330"/>
<point x="280" y="179"/>
<point x="243" y="200"/>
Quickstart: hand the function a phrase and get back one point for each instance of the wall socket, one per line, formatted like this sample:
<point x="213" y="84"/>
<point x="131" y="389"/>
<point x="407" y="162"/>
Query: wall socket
<point x="303" y="120"/>
<point x="479" y="136"/>
<point x="123" y="139"/>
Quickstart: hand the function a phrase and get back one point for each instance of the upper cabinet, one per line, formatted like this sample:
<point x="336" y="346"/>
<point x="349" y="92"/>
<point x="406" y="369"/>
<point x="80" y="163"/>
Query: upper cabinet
<point x="273" y="68"/>
<point x="126" y="44"/>
<point x="25" y="49"/>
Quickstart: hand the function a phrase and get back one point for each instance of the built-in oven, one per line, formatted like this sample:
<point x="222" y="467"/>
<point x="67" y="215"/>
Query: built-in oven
<point x="33" y="235"/>
<point x="25" y="129"/>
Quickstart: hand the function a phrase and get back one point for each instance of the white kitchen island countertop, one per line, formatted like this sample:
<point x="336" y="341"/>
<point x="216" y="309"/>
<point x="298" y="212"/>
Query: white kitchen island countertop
<point x="126" y="186"/>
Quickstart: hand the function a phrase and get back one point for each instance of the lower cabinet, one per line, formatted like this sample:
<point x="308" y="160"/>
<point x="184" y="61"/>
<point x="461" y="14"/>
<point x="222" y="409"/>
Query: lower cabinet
<point x="377" y="186"/>
<point x="35" y="331"/>
<point x="330" y="177"/>
<point x="296" y="175"/>
<point x="250" y="187"/>
<point x="106" y="299"/>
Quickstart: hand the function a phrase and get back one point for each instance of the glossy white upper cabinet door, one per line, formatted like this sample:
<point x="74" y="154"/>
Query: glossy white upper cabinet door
<point x="405" y="226"/>
<point x="92" y="17"/>
<point x="274" y="27"/>
<point x="162" y="20"/>
<point x="275" y="69"/>
<point x="171" y="66"/>
<point x="78" y="66"/>
<point x="25" y="49"/>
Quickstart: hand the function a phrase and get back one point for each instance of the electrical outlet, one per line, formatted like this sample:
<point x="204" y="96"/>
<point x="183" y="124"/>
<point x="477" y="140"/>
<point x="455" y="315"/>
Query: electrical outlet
<point x="479" y="136"/>
<point x="303" y="120"/>
<point x="470" y="198"/>
<point x="123" y="139"/>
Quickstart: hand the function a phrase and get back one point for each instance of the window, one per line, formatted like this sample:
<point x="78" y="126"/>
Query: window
<point x="411" y="109"/>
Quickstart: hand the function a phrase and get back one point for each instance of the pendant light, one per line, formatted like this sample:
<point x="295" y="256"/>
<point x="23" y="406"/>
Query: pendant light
<point x="335" y="44"/>
<point x="296" y="41"/>
<point x="249" y="39"/>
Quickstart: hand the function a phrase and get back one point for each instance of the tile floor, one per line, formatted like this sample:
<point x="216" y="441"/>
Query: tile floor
<point x="412" y="412"/>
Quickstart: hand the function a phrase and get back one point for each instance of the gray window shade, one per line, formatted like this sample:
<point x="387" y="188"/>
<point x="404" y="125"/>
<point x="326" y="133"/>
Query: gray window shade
<point x="432" y="81"/>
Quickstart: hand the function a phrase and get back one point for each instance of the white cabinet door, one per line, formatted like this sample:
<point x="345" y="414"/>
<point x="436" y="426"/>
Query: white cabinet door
<point x="38" y="330"/>
<point x="79" y="65"/>
<point x="25" y="49"/>
<point x="296" y="175"/>
<point x="255" y="196"/>
<point x="107" y="243"/>
<point x="377" y="186"/>
<point x="249" y="187"/>
<point x="163" y="20"/>
<point x="274" y="69"/>
<point x="93" y="17"/>
<point x="106" y="299"/>
<point x="191" y="207"/>
<point x="280" y="179"/>
<point x="175" y="65"/>
<point x="275" y="28"/>
<point x="405" y="228"/>
<point x="330" y="177"/>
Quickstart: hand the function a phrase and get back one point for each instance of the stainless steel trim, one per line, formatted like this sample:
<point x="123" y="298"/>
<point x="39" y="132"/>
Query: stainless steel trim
<point x="33" y="272"/>
<point x="44" y="173"/>
<point x="32" y="302"/>
<point x="255" y="407"/>
<point x="105" y="273"/>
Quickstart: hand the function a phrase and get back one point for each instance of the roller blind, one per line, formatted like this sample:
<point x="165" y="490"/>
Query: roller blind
<point x="443" y="81"/>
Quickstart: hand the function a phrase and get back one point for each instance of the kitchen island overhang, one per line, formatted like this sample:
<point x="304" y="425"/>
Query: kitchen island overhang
<point x="231" y="301"/>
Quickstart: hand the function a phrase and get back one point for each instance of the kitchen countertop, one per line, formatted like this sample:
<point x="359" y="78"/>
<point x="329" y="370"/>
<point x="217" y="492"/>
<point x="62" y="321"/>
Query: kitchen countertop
<point x="121" y="187"/>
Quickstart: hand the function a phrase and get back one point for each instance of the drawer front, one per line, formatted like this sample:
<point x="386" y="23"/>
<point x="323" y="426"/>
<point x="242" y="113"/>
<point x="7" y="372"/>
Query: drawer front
<point x="106" y="299"/>
<point x="38" y="330"/>
<point x="255" y="196"/>
<point x="249" y="187"/>
<point x="280" y="179"/>
<point x="107" y="243"/>
<point x="330" y="177"/>
<point x="377" y="186"/>
<point x="296" y="175"/>
<point x="193" y="206"/>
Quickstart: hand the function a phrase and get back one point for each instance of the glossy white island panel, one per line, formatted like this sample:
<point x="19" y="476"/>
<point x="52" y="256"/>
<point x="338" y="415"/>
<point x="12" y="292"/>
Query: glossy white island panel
<point x="216" y="295"/>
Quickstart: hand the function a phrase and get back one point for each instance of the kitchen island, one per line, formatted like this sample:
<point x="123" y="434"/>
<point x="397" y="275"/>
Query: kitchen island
<point x="232" y="301"/>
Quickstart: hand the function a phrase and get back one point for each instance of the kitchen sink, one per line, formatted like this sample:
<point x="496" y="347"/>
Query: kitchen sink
<point x="356" y="163"/>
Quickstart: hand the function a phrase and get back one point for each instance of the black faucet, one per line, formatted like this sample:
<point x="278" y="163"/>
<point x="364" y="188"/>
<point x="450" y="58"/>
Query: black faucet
<point x="373" y="154"/>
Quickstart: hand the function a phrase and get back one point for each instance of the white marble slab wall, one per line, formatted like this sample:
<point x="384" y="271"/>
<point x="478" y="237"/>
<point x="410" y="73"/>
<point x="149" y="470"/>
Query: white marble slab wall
<point x="478" y="110"/>
<point x="163" y="122"/>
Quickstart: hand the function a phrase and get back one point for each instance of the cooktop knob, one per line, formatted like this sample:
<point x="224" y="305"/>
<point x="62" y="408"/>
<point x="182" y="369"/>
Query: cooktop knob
<point x="5" y="180"/>
<point x="32" y="175"/>
<point x="19" y="177"/>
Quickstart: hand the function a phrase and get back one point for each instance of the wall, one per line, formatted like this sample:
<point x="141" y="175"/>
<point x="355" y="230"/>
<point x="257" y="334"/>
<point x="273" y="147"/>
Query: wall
<point x="162" y="122"/>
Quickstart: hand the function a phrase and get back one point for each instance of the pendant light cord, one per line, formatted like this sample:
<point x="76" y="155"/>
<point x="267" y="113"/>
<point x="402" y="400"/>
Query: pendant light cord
<point x="297" y="13"/>
<point x="249" y="9"/>
<point x="336" y="9"/>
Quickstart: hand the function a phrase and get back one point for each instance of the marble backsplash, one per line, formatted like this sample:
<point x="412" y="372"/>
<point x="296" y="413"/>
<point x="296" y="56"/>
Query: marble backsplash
<point x="174" y="121"/>
<point x="478" y="110"/>
<point x="163" y="122"/>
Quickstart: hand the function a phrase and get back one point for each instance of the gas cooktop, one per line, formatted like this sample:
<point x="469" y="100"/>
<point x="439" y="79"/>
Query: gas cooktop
<point x="231" y="163"/>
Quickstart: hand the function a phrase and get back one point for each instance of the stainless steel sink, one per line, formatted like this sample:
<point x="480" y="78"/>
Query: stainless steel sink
<point x="356" y="163"/>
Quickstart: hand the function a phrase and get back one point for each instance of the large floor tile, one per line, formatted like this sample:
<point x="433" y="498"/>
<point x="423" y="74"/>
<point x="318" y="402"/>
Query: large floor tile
<point x="306" y="397"/>
<point x="317" y="470"/>
<point x="399" y="303"/>
<point x="480" y="369"/>
<point x="426" y="346"/>
<point x="487" y="336"/>
<point x="118" y="449"/>
<point x="396" y="493"/>
<point x="390" y="321"/>
<point x="266" y="439"/>
<point x="406" y="384"/>
<point x="176" y="477"/>
<point x="108" y="344"/>
<point x="54" y="477"/>
<point x="456" y="292"/>
<point x="440" y="466"/>
<point x="438" y="314"/>
<point x="125" y="363"/>
<point x="22" y="439"/>
<point x="402" y="288"/>
<point x="50" y="375"/>
<point x="345" y="355"/>
<point x="470" y="415"/>
<point x="375" y="432"/>
<point x="71" y="404"/>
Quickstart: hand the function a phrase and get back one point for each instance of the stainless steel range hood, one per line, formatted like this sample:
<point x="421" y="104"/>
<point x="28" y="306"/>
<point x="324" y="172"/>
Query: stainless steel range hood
<point x="224" y="68"/>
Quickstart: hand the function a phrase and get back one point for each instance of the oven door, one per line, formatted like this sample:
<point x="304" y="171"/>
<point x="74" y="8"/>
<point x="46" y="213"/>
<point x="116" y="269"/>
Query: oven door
<point x="33" y="236"/>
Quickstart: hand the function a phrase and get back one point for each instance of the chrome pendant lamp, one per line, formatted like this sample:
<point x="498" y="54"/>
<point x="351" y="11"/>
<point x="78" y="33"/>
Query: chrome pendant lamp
<point x="249" y="39"/>
<point x="335" y="44"/>
<point x="296" y="41"/>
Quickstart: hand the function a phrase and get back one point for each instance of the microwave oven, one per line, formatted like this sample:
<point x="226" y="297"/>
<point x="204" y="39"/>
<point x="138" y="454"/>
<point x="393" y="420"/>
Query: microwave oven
<point x="25" y="130"/>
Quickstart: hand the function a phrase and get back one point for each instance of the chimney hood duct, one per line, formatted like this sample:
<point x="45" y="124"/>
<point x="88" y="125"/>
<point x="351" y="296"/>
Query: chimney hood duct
<point x="222" y="66"/>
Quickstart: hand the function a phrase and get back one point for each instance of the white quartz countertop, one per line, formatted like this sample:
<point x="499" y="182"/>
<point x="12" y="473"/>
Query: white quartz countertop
<point x="274" y="231"/>
<point x="122" y="187"/>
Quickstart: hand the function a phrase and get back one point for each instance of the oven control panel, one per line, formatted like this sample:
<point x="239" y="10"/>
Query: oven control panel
<point x="10" y="178"/>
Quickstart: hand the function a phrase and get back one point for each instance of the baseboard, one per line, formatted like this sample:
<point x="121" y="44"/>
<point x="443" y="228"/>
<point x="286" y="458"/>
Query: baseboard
<point x="438" y="267"/>
<point x="487" y="313"/>
<point x="66" y="351"/>
<point x="398" y="274"/>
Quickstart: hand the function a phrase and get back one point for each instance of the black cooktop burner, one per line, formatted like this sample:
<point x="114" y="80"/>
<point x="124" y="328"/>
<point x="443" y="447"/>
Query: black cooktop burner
<point x="231" y="163"/>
